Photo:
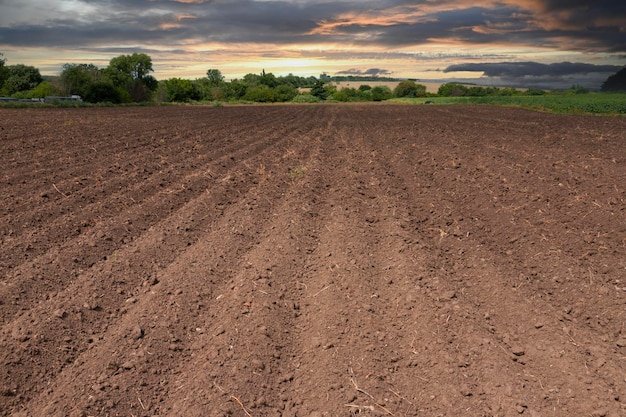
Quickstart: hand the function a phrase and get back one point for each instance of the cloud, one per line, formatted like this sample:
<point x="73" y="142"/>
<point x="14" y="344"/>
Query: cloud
<point x="579" y="24"/>
<point x="534" y="74"/>
<point x="397" y="31"/>
<point x="534" y="69"/>
<point x="371" y="72"/>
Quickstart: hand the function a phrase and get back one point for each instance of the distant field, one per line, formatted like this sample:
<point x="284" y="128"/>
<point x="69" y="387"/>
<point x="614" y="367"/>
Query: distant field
<point x="592" y="103"/>
<point x="430" y="87"/>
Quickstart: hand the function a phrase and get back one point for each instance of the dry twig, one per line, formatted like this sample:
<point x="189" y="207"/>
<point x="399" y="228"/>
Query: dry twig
<point x="384" y="409"/>
<point x="241" y="404"/>
<point x="356" y="387"/>
<point x="323" y="289"/>
<point x="59" y="191"/>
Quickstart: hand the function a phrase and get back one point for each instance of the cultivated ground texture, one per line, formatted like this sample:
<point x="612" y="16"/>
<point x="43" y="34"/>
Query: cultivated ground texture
<point x="312" y="261"/>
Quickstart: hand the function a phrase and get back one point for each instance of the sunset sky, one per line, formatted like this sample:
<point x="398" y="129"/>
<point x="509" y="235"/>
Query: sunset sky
<point x="544" y="43"/>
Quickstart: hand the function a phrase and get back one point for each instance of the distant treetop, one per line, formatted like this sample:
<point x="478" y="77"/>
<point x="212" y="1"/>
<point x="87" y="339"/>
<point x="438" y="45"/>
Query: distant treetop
<point x="616" y="82"/>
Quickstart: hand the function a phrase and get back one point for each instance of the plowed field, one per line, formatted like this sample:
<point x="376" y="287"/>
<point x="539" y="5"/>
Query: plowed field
<point x="312" y="261"/>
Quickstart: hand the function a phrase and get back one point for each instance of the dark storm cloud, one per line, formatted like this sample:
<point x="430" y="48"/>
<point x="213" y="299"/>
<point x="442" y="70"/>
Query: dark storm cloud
<point x="560" y="75"/>
<point x="170" y="22"/>
<point x="585" y="12"/>
<point x="371" y="72"/>
<point x="500" y="25"/>
<point x="586" y="24"/>
<point x="534" y="69"/>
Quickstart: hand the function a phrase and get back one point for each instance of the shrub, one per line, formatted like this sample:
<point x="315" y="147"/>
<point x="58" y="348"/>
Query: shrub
<point x="409" y="89"/>
<point x="105" y="91"/>
<point x="305" y="98"/>
<point x="180" y="90"/>
<point x="260" y="93"/>
<point x="452" y="90"/>
<point x="381" y="92"/>
<point x="285" y="92"/>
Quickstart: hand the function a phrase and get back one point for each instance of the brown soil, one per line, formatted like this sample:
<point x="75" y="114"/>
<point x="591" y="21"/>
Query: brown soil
<point x="312" y="261"/>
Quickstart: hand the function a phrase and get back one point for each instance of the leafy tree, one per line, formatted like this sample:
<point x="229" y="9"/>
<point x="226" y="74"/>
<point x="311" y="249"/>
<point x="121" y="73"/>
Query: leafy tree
<point x="132" y="73"/>
<point x="285" y="92"/>
<point x="135" y="66"/>
<point x="616" y="82"/>
<point x="477" y="92"/>
<point x="341" y="95"/>
<point x="252" y="79"/>
<point x="78" y="78"/>
<point x="180" y="90"/>
<point x="352" y="94"/>
<point x="577" y="89"/>
<point x="305" y="98"/>
<point x="268" y="79"/>
<point x="209" y="90"/>
<point x="215" y="77"/>
<point x="508" y="91"/>
<point x="104" y="91"/>
<point x="452" y="90"/>
<point x="237" y="89"/>
<point x="44" y="89"/>
<point x="4" y="71"/>
<point x="260" y="93"/>
<point x="535" y="92"/>
<point x="381" y="92"/>
<point x="410" y="89"/>
<point x="365" y="87"/>
<point x="21" y="78"/>
<point x="319" y="90"/>
<point x="296" y="81"/>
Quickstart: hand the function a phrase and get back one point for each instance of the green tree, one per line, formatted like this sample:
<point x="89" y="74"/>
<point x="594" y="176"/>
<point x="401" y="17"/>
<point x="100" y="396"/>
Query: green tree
<point x="381" y="93"/>
<point x="44" y="89"/>
<point x="476" y="92"/>
<point x="578" y="89"/>
<point x="104" y="91"/>
<point x="252" y="79"/>
<point x="21" y="78"/>
<point x="295" y="81"/>
<point x="341" y="95"/>
<point x="132" y="73"/>
<point x="319" y="90"/>
<point x="535" y="92"/>
<point x="410" y="89"/>
<point x="452" y="90"/>
<point x="268" y="79"/>
<point x="209" y="90"/>
<point x="215" y="77"/>
<point x="4" y="71"/>
<point x="616" y="82"/>
<point x="260" y="93"/>
<point x="78" y="78"/>
<point x="237" y="89"/>
<point x="180" y="90"/>
<point x="285" y="92"/>
<point x="352" y="94"/>
<point x="508" y="91"/>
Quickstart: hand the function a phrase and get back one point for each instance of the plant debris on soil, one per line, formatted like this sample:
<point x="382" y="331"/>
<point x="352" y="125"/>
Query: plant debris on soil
<point x="309" y="261"/>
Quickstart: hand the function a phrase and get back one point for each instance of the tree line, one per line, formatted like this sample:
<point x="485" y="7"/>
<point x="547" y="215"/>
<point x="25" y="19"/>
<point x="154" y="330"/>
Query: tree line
<point x="128" y="78"/>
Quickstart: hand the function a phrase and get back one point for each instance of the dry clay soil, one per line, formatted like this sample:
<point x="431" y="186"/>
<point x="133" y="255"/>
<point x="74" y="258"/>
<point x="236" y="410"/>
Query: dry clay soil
<point x="325" y="260"/>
